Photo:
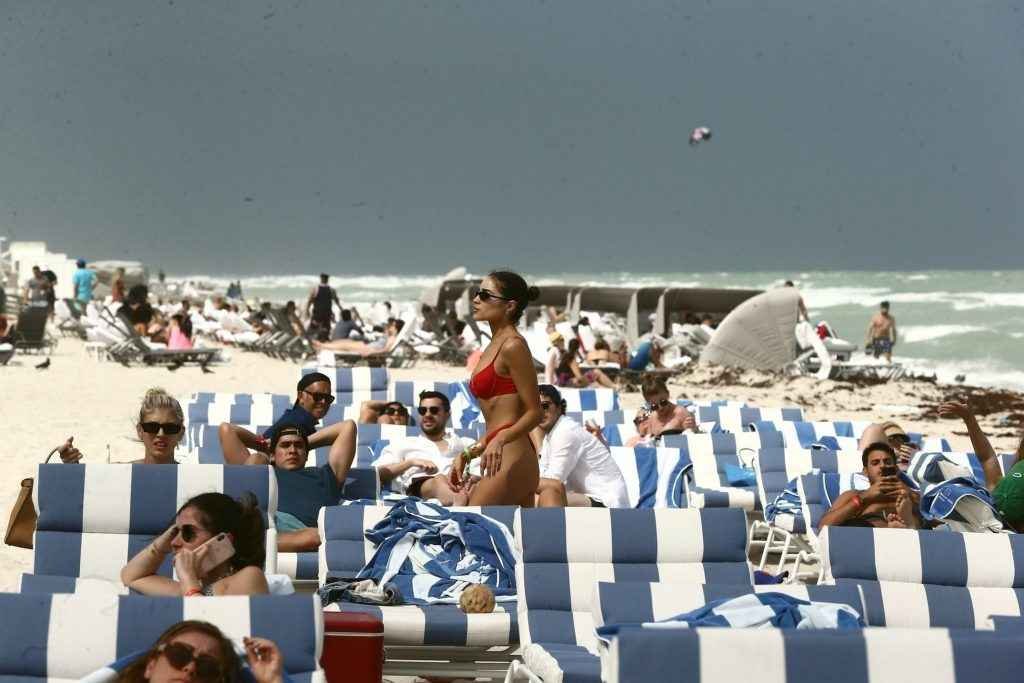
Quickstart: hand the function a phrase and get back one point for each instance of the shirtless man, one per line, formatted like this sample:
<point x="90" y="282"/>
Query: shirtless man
<point x="881" y="334"/>
<point x="887" y="503"/>
<point x="664" y="415"/>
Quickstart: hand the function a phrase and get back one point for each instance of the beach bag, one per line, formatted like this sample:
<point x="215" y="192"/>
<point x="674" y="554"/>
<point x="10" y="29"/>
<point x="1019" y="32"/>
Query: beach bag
<point x="22" y="524"/>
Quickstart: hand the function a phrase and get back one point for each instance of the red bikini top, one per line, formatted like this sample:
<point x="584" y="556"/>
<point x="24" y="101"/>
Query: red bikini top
<point x="488" y="383"/>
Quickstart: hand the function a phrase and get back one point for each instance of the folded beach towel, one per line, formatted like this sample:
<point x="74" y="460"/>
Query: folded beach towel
<point x="364" y="591"/>
<point x="431" y="553"/>
<point x="786" y="503"/>
<point x="760" y="610"/>
<point x="951" y="494"/>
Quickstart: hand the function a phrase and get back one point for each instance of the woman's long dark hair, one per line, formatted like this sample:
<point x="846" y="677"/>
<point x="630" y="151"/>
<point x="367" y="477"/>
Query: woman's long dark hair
<point x="230" y="664"/>
<point x="571" y="349"/>
<point x="241" y="518"/>
<point x="514" y="287"/>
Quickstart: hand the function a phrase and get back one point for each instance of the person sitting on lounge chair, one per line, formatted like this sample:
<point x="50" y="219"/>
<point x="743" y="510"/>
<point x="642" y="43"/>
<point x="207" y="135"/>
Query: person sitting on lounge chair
<point x="892" y="434"/>
<point x="576" y="467"/>
<point x="383" y="413"/>
<point x="207" y="523"/>
<point x="569" y="374"/>
<point x="382" y="346"/>
<point x="203" y="648"/>
<point x="887" y="503"/>
<point x="313" y="399"/>
<point x="420" y="465"/>
<point x="602" y="353"/>
<point x="160" y="427"/>
<point x="1007" y="491"/>
<point x="554" y="357"/>
<point x="347" y="328"/>
<point x="301" y="490"/>
<point x="663" y="416"/>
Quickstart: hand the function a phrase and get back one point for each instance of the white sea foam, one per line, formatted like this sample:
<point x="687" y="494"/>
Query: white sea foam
<point x="923" y="333"/>
<point x="918" y="277"/>
<point x="829" y="297"/>
<point x="982" y="372"/>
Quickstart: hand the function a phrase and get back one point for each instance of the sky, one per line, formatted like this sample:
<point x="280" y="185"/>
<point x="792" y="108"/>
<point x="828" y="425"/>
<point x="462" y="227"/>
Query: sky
<point x="383" y="136"/>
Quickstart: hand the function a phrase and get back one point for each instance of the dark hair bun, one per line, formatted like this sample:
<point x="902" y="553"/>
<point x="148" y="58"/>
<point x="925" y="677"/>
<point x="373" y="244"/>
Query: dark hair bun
<point x="532" y="293"/>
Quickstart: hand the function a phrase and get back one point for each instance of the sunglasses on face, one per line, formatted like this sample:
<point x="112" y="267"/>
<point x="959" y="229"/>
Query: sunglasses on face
<point x="169" y="428"/>
<point x="656" y="405"/>
<point x="320" y="398"/>
<point x="188" y="532"/>
<point x="433" y="410"/>
<point x="486" y="295"/>
<point x="395" y="410"/>
<point x="179" y="655"/>
<point x="544" y="405"/>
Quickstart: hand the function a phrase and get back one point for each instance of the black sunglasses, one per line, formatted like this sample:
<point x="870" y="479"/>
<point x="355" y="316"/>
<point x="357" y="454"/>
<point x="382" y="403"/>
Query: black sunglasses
<point x="188" y="532"/>
<point x="320" y="398"/>
<point x="169" y="428"/>
<point x="486" y="295"/>
<point x="655" y="405"/>
<point x="180" y="654"/>
<point x="544" y="405"/>
<point x="395" y="410"/>
<point x="433" y="410"/>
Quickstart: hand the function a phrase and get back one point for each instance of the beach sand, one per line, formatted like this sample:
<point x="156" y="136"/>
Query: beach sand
<point x="96" y="403"/>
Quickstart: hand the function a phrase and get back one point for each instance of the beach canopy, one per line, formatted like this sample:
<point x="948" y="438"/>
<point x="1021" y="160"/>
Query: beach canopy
<point x="757" y="334"/>
<point x="696" y="300"/>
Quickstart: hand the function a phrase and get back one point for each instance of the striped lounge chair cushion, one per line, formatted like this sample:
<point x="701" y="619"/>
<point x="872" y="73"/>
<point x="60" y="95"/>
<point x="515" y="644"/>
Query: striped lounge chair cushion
<point x="808" y="656"/>
<point x="565" y="551"/>
<point x="66" y="637"/>
<point x="933" y="557"/>
<point x="344" y="550"/>
<point x="915" y="605"/>
<point x="654" y="476"/>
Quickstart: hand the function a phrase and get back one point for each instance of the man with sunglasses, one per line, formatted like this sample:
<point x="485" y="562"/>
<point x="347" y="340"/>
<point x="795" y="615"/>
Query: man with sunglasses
<point x="576" y="467"/>
<point x="662" y="415"/>
<point x="420" y="465"/>
<point x="383" y="413"/>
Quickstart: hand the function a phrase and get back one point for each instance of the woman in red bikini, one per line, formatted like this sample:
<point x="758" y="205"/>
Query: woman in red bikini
<point x="505" y="384"/>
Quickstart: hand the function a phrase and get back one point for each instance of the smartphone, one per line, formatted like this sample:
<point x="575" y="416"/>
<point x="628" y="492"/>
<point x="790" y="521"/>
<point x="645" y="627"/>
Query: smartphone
<point x="218" y="549"/>
<point x="890" y="471"/>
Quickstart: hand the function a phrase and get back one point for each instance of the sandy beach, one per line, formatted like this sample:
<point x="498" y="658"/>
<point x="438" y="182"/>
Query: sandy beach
<point x="96" y="402"/>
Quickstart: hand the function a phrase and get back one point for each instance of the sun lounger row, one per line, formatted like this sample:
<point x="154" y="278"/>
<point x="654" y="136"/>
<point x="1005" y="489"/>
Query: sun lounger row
<point x="68" y="637"/>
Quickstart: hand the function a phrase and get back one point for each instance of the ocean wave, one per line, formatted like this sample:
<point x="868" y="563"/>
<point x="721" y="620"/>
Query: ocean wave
<point x="987" y="372"/>
<point x="830" y="297"/>
<point x="922" y="333"/>
<point x="306" y="281"/>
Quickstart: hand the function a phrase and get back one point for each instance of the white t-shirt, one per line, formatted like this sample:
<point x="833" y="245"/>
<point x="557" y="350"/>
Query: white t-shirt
<point x="579" y="460"/>
<point x="420" y="446"/>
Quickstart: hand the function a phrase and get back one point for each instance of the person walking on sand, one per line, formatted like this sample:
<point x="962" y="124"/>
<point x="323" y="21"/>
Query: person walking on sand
<point x="881" y="335"/>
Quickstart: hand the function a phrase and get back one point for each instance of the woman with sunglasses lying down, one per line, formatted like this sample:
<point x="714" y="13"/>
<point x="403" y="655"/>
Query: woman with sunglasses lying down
<point x="199" y="651"/>
<point x="660" y="415"/>
<point x="381" y="346"/>
<point x="160" y="426"/>
<point x="217" y="546"/>
<point x="505" y="384"/>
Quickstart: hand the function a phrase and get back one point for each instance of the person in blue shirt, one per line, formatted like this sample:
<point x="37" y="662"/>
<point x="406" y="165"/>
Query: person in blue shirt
<point x="84" y="281"/>
<point x="648" y="352"/>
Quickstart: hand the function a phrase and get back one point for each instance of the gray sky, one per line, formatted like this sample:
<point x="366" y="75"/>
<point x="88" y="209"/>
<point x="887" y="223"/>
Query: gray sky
<point x="384" y="136"/>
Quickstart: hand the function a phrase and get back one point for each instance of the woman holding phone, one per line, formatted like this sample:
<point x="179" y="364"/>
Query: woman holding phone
<point x="217" y="544"/>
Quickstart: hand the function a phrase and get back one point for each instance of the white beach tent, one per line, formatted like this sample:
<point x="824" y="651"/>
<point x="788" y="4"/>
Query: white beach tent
<point x="757" y="334"/>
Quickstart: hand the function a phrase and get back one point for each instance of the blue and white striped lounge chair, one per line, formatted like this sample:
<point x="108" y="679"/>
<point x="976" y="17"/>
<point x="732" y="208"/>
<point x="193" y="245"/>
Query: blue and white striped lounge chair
<point x="441" y="639"/>
<point x="931" y="557"/>
<point x="1013" y="625"/>
<point x="738" y="418"/>
<point x="654" y="476"/>
<point x="566" y="551"/>
<point x="709" y="482"/>
<point x="775" y="469"/>
<point x="870" y="655"/>
<point x="836" y="435"/>
<point x="601" y="417"/>
<point x="818" y="491"/>
<point x="67" y="637"/>
<point x="635" y="602"/>
<point x="917" y="605"/>
<point x="94" y="518"/>
<point x="579" y="400"/>
<point x="348" y="383"/>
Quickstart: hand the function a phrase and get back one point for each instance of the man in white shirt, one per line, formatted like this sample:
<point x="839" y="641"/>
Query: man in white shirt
<point x="576" y="468"/>
<point x="420" y="464"/>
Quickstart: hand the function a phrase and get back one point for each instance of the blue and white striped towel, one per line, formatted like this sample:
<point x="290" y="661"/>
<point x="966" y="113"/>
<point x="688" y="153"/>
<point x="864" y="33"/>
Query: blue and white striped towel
<point x="431" y="553"/>
<point x="760" y="610"/>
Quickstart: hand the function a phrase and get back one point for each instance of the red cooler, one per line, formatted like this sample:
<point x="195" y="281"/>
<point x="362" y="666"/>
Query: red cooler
<point x="353" y="647"/>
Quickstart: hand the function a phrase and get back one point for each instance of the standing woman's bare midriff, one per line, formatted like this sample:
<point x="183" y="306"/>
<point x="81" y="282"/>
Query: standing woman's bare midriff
<point x="505" y="385"/>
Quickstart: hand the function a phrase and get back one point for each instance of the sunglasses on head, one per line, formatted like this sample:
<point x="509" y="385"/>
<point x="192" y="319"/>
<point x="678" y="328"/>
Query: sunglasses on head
<point x="433" y="410"/>
<point x="655" y="405"/>
<point x="486" y="295"/>
<point x="169" y="428"/>
<point x="320" y="398"/>
<point x="188" y="532"/>
<point x="395" y="410"/>
<point x="179" y="655"/>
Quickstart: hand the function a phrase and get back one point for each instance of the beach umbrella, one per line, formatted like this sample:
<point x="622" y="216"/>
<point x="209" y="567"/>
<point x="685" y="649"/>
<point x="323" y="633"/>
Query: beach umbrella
<point x="758" y="334"/>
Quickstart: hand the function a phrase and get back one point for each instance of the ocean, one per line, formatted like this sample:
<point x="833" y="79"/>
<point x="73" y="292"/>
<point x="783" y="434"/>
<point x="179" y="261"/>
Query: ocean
<point x="950" y="323"/>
